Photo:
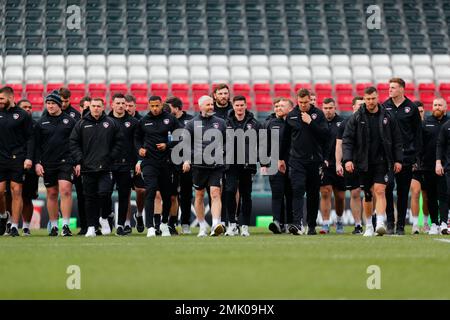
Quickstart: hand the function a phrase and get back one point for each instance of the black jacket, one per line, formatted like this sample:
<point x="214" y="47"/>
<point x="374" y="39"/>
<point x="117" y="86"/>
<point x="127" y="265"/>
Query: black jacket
<point x="442" y="145"/>
<point x="410" y="124"/>
<point x="128" y="156"/>
<point x="198" y="144"/>
<point x="223" y="112"/>
<point x="138" y="116"/>
<point x="249" y="123"/>
<point x="95" y="144"/>
<point x="333" y="128"/>
<point x="16" y="135"/>
<point x="152" y="130"/>
<point x="184" y="119"/>
<point x="305" y="143"/>
<point x="274" y="123"/>
<point x="355" y="142"/>
<point x="51" y="140"/>
<point x="430" y="132"/>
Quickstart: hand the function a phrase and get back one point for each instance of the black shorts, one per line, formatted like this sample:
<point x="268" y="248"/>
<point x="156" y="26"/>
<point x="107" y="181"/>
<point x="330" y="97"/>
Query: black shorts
<point x="330" y="178"/>
<point x="12" y="172"/>
<point x="352" y="181"/>
<point x="376" y="174"/>
<point x="418" y="176"/>
<point x="30" y="185"/>
<point x="206" y="177"/>
<point x="53" y="175"/>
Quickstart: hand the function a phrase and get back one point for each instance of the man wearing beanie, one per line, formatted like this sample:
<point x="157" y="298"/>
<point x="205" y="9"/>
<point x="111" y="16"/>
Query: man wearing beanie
<point x="54" y="161"/>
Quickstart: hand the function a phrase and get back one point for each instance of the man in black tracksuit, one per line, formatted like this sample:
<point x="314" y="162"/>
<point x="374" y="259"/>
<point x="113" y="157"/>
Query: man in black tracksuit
<point x="409" y="122"/>
<point x="433" y="184"/>
<point x="16" y="136"/>
<point x="54" y="161"/>
<point x="152" y="142"/>
<point x="95" y="143"/>
<point x="305" y="140"/>
<point x="239" y="174"/>
<point x="371" y="146"/>
<point x="280" y="184"/>
<point x="123" y="167"/>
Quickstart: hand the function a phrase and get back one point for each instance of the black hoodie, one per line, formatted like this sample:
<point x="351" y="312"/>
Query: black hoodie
<point x="95" y="144"/>
<point x="223" y="112"/>
<point x="128" y="156"/>
<point x="274" y="123"/>
<point x="430" y="131"/>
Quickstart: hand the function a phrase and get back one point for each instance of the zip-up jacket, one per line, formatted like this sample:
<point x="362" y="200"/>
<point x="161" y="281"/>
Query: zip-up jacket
<point x="184" y="119"/>
<point x="128" y="156"/>
<point x="272" y="122"/>
<point x="16" y="135"/>
<point x="409" y="122"/>
<point x="305" y="143"/>
<point x="355" y="142"/>
<point x="95" y="144"/>
<point x="223" y="112"/>
<point x="430" y="132"/>
<point x="198" y="143"/>
<point x="442" y="145"/>
<point x="51" y="140"/>
<point x="249" y="123"/>
<point x="333" y="127"/>
<point x="152" y="130"/>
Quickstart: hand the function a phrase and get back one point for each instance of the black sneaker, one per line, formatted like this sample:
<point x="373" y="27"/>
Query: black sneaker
<point x="173" y="231"/>
<point x="296" y="230"/>
<point x="400" y="231"/>
<point x="127" y="230"/>
<point x="275" y="227"/>
<point x="158" y="231"/>
<point x="312" y="231"/>
<point x="26" y="232"/>
<point x="358" y="230"/>
<point x="14" y="232"/>
<point x="390" y="229"/>
<point x="98" y="232"/>
<point x="66" y="231"/>
<point x="8" y="228"/>
<point x="82" y="232"/>
<point x="139" y="223"/>
<point x="120" y="231"/>
<point x="3" y="222"/>
<point x="53" y="232"/>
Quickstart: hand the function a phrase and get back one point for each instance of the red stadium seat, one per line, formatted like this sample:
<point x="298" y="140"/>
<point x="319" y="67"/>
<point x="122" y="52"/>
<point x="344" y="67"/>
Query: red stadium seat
<point x="53" y="86"/>
<point x="263" y="103"/>
<point x="159" y="89"/>
<point x="343" y="89"/>
<point x="198" y="90"/>
<point x="34" y="89"/>
<point x="241" y="89"/>
<point x="37" y="102"/>
<point x="180" y="89"/>
<point x="139" y="89"/>
<point x="118" y="88"/>
<point x="444" y="89"/>
<point x="383" y="97"/>
<point x="299" y="86"/>
<point x="324" y="90"/>
<point x="344" y="103"/>
<point x="426" y="89"/>
<point x="282" y="90"/>
<point x="361" y="86"/>
<point x="261" y="88"/>
<point x="427" y="100"/>
<point x="383" y="89"/>
<point x="97" y="90"/>
<point x="141" y="103"/>
<point x="18" y="90"/>
<point x="410" y="91"/>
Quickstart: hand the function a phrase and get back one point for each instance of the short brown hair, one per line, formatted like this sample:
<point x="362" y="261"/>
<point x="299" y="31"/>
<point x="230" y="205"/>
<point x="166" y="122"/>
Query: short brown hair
<point x="328" y="100"/>
<point x="7" y="90"/>
<point x="356" y="99"/>
<point x="303" y="93"/>
<point x="130" y="98"/>
<point x="291" y="104"/>
<point x="370" y="90"/>
<point x="98" y="99"/>
<point x="84" y="99"/>
<point x="239" y="98"/>
<point x="64" y="93"/>
<point x="277" y="99"/>
<point x="221" y="86"/>
<point x="400" y="81"/>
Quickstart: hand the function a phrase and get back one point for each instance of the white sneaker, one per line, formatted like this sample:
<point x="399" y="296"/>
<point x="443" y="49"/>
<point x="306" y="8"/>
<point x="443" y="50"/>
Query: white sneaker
<point x="369" y="231"/>
<point x="202" y="233"/>
<point x="217" y="230"/>
<point x="415" y="230"/>
<point x="381" y="229"/>
<point x="105" y="226"/>
<point x="165" y="232"/>
<point x="444" y="228"/>
<point x="90" y="232"/>
<point x="185" y="228"/>
<point x="426" y="228"/>
<point x="244" y="231"/>
<point x="434" y="229"/>
<point x="151" y="232"/>
<point x="232" y="230"/>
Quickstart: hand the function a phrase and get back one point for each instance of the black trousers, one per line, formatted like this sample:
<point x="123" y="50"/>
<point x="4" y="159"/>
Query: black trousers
<point x="281" y="187"/>
<point x="123" y="181"/>
<point x="403" y="181"/>
<point x="305" y="178"/>
<point x="80" y="202"/>
<point x="238" y="178"/>
<point x="437" y="195"/>
<point x="185" y="196"/>
<point x="156" y="177"/>
<point x="97" y="187"/>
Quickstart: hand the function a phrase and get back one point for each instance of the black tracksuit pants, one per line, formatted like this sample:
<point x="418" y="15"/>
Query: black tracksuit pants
<point x="237" y="177"/>
<point x="438" y="198"/>
<point x="305" y="178"/>
<point x="97" y="187"/>
<point x="281" y="187"/>
<point x="403" y="181"/>
<point x="185" y="196"/>
<point x="80" y="202"/>
<point x="123" y="181"/>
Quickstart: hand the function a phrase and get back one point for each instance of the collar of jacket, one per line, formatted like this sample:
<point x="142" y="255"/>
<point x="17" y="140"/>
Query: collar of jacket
<point x="150" y="115"/>
<point x="125" y="117"/>
<point x="389" y="102"/>
<point x="89" y="117"/>
<point x="248" y="116"/>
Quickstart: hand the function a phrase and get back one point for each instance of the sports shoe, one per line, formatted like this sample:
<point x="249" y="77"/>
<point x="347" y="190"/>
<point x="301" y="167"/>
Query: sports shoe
<point x="14" y="232"/>
<point x="53" y="232"/>
<point x="339" y="228"/>
<point x="127" y="229"/>
<point x="139" y="223"/>
<point x="434" y="229"/>
<point x="165" y="232"/>
<point x="381" y="229"/>
<point x="98" y="232"/>
<point x="8" y="228"/>
<point x="358" y="229"/>
<point x="173" y="230"/>
<point x="312" y="231"/>
<point x="217" y="230"/>
<point x="444" y="228"/>
<point x="426" y="228"/>
<point x="369" y="231"/>
<point x="244" y="231"/>
<point x="158" y="231"/>
<point x="296" y="230"/>
<point x="65" y="232"/>
<point x="151" y="232"/>
<point x="325" y="229"/>
<point x="90" y="233"/>
<point x="275" y="227"/>
<point x="26" y="232"/>
<point x="3" y="222"/>
<point x="202" y="233"/>
<point x="186" y="229"/>
<point x="232" y="230"/>
<point x="120" y="231"/>
<point x="390" y="229"/>
<point x="104" y="224"/>
<point x="415" y="230"/>
<point x="400" y="231"/>
<point x="82" y="232"/>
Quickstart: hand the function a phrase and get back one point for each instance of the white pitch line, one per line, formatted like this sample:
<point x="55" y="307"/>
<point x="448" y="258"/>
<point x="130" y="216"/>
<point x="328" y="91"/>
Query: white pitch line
<point x="443" y="240"/>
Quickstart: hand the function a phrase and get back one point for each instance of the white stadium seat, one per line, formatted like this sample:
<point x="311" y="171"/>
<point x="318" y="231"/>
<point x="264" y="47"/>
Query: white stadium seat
<point x="260" y="74"/>
<point x="34" y="74"/>
<point x="158" y="74"/>
<point x="1" y="62"/>
<point x="219" y="74"/>
<point x="442" y="74"/>
<point x="96" y="74"/>
<point x="55" y="60"/>
<point x="259" y="60"/>
<point x="281" y="74"/>
<point x="218" y="60"/>
<point x="360" y="60"/>
<point x="199" y="74"/>
<point x="340" y="60"/>
<point x="362" y="74"/>
<point x="403" y="71"/>
<point x="319" y="60"/>
<point x="178" y="74"/>
<point x="239" y="60"/>
<point x="299" y="60"/>
<point x="137" y="60"/>
<point x="97" y="60"/>
<point x="116" y="60"/>
<point x="321" y="74"/>
<point x="13" y="74"/>
<point x="342" y="74"/>
<point x="278" y="60"/>
<point x="75" y="60"/>
<point x="381" y="74"/>
<point x="382" y="60"/>
<point x="16" y="61"/>
<point x="421" y="60"/>
<point x="75" y="74"/>
<point x="137" y="74"/>
<point x="440" y="60"/>
<point x="117" y="74"/>
<point x="301" y="74"/>
<point x="1" y="75"/>
<point x="198" y="60"/>
<point x="157" y="60"/>
<point x="423" y="74"/>
<point x="240" y="74"/>
<point x="55" y="74"/>
<point x="400" y="60"/>
<point x="178" y="60"/>
<point x="34" y="60"/>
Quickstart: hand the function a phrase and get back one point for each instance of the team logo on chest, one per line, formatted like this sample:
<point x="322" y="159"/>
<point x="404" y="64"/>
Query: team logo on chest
<point x="72" y="114"/>
<point x="65" y="121"/>
<point x="338" y="124"/>
<point x="15" y="116"/>
<point x="186" y="121"/>
<point x="216" y="125"/>
<point x="314" y="116"/>
<point x="105" y="124"/>
<point x="166" y="121"/>
<point x="127" y="124"/>
<point x="249" y="126"/>
<point x="385" y="120"/>
<point x="407" y="109"/>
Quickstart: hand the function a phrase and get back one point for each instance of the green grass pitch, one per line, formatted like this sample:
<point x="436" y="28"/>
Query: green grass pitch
<point x="263" y="266"/>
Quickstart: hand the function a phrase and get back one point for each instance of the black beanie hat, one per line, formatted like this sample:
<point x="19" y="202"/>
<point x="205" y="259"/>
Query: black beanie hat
<point x="55" y="97"/>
